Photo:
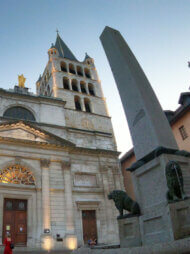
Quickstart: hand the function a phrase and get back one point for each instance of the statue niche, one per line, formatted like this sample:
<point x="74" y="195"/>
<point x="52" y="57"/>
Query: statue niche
<point x="124" y="202"/>
<point x="174" y="179"/>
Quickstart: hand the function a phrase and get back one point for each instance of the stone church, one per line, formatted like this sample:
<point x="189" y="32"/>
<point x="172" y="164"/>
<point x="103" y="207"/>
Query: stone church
<point x="59" y="158"/>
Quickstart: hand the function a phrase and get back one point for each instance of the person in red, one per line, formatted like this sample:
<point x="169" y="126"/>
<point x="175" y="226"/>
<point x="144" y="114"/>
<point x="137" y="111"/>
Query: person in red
<point x="7" y="243"/>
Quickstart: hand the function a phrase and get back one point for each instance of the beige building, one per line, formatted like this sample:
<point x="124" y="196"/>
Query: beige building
<point x="59" y="158"/>
<point x="180" y="124"/>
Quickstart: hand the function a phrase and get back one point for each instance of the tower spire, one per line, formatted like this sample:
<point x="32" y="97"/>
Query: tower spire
<point x="62" y="48"/>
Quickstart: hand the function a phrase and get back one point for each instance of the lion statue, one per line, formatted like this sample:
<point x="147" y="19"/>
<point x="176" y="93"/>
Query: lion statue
<point x="124" y="202"/>
<point x="174" y="179"/>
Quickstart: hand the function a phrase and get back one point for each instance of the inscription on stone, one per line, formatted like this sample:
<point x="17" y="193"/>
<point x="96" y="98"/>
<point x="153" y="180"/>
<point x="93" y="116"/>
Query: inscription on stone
<point x="85" y="180"/>
<point x="139" y="116"/>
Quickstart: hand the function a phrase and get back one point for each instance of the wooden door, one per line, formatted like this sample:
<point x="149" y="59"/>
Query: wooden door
<point x="15" y="220"/>
<point x="89" y="225"/>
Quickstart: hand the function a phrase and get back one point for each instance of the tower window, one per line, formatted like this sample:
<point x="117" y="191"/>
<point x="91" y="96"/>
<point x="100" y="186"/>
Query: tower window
<point x="63" y="66"/>
<point x="82" y="86"/>
<point x="87" y="73"/>
<point x="87" y="105"/>
<point x="183" y="132"/>
<point x="74" y="85"/>
<point x="48" y="90"/>
<point x="77" y="103"/>
<point x="72" y="69"/>
<point x="91" y="89"/>
<point x="66" y="83"/>
<point x="79" y="71"/>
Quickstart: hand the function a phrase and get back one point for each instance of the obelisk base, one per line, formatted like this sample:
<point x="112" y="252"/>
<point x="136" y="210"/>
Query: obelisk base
<point x="161" y="221"/>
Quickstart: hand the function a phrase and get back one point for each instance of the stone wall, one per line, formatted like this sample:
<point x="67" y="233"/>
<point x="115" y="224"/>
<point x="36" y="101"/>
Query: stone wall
<point x="43" y="111"/>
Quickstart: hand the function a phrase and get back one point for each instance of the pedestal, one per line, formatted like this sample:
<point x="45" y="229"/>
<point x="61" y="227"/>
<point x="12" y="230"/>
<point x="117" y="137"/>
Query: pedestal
<point x="180" y="217"/>
<point x="160" y="221"/>
<point x="129" y="232"/>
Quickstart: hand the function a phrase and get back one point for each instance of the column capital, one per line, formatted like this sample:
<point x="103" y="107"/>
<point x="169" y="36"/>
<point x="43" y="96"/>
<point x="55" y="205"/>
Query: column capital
<point x="103" y="169"/>
<point x="66" y="165"/>
<point x="109" y="169"/>
<point x="44" y="163"/>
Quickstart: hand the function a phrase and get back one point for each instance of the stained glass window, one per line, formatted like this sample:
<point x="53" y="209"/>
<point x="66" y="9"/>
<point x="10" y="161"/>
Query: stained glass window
<point x="17" y="174"/>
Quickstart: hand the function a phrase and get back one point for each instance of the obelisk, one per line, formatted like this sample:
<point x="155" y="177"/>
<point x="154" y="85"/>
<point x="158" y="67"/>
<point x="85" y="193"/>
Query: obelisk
<point x="148" y="125"/>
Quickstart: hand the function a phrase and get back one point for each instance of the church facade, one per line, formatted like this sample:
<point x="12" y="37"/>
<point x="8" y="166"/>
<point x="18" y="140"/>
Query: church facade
<point x="59" y="158"/>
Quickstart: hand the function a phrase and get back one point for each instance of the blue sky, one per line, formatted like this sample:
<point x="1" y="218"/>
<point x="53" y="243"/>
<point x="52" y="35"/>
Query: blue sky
<point x="157" y="32"/>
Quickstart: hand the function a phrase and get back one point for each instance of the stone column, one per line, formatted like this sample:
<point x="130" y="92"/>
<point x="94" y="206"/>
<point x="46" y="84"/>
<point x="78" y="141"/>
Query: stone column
<point x="70" y="86"/>
<point x="39" y="228"/>
<point x="1" y="216"/>
<point x="45" y="196"/>
<point x="86" y="86"/>
<point x="47" y="239"/>
<point x="70" y="237"/>
<point x="82" y="104"/>
<point x="108" y="205"/>
<point x="117" y="178"/>
<point x="78" y="85"/>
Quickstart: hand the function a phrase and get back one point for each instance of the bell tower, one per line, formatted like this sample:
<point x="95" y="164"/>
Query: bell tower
<point x="75" y="82"/>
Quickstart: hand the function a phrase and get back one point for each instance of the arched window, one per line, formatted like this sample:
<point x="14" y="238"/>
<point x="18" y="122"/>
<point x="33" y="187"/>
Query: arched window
<point x="17" y="174"/>
<point x="74" y="85"/>
<point x="79" y="71"/>
<point x="82" y="86"/>
<point x="63" y="66"/>
<point x="91" y="89"/>
<point x="87" y="105"/>
<point x="65" y="83"/>
<point x="48" y="90"/>
<point x="87" y="73"/>
<point x="78" y="103"/>
<point x="19" y="113"/>
<point x="72" y="69"/>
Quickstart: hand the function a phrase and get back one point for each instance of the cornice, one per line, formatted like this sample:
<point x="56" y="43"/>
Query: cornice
<point x="87" y="113"/>
<point x="49" y="137"/>
<point x="39" y="98"/>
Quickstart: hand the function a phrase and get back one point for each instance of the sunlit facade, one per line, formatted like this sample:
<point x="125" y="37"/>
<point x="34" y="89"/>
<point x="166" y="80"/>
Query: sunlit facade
<point x="59" y="158"/>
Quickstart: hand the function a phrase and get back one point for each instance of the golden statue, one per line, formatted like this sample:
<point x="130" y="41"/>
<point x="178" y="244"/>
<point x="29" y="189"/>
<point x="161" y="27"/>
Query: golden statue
<point x="21" y="80"/>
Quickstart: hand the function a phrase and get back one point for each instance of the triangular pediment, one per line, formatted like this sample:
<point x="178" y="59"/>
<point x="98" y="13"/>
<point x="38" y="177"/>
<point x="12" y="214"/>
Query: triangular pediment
<point x="19" y="130"/>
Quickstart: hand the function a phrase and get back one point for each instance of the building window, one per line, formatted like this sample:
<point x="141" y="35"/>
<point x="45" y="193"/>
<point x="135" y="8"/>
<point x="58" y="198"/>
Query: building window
<point x="79" y="71"/>
<point x="91" y="89"/>
<point x="87" y="73"/>
<point x="19" y="113"/>
<point x="183" y="132"/>
<point x="72" y="69"/>
<point x="63" y="66"/>
<point x="74" y="85"/>
<point x="87" y="105"/>
<point x="66" y="83"/>
<point x="78" y="103"/>
<point x="82" y="86"/>
<point x="16" y="174"/>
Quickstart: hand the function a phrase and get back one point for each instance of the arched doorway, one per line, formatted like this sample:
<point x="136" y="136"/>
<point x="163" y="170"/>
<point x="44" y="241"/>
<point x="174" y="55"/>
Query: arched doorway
<point x="15" y="207"/>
